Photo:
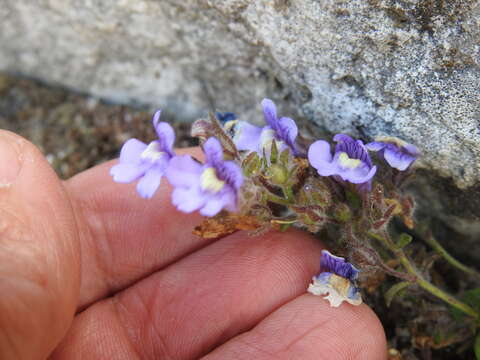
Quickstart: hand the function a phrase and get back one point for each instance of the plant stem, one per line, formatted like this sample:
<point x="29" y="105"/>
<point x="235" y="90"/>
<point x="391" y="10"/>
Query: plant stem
<point x="419" y="279"/>
<point x="278" y="200"/>
<point x="430" y="239"/>
<point x="287" y="190"/>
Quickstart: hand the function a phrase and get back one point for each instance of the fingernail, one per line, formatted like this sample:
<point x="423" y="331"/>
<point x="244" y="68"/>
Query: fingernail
<point x="10" y="159"/>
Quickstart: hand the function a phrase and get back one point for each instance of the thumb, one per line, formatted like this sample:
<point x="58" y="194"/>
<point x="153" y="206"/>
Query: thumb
<point x="39" y="256"/>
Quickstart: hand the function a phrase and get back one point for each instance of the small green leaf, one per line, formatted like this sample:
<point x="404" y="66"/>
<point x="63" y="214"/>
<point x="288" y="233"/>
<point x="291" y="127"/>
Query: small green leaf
<point x="403" y="240"/>
<point x="476" y="346"/>
<point x="394" y="290"/>
<point x="274" y="153"/>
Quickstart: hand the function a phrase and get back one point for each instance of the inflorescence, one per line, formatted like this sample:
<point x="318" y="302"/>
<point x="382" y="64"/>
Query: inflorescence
<point x="258" y="178"/>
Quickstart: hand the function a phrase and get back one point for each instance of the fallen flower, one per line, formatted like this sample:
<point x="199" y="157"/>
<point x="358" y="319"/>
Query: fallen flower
<point x="336" y="279"/>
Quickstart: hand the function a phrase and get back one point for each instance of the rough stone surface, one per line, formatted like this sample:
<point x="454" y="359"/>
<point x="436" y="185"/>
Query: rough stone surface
<point x="408" y="68"/>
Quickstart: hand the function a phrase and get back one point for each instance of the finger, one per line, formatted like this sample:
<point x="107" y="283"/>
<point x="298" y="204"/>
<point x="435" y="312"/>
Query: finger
<point x="200" y="302"/>
<point x="308" y="328"/>
<point x="39" y="261"/>
<point x="124" y="237"/>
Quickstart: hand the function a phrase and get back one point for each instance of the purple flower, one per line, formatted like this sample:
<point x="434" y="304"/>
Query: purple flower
<point x="146" y="163"/>
<point x="397" y="153"/>
<point x="337" y="279"/>
<point x="350" y="162"/>
<point x="210" y="187"/>
<point x="225" y="117"/>
<point x="253" y="138"/>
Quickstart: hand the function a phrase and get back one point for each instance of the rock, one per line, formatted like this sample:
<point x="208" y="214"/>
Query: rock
<point x="404" y="68"/>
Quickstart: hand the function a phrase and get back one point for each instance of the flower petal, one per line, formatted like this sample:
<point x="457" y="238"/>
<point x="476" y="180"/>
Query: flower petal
<point x="213" y="151"/>
<point x="225" y="117"/>
<point x="232" y="174"/>
<point x="342" y="138"/>
<point x="247" y="136"/>
<point x="183" y="171"/>
<point x="131" y="151"/>
<point x="213" y="206"/>
<point x="398" y="160"/>
<point x="337" y="265"/>
<point x="126" y="172"/>
<point x="375" y="146"/>
<point x="156" y="118"/>
<point x="359" y="175"/>
<point x="270" y="113"/>
<point x="149" y="183"/>
<point x="412" y="150"/>
<point x="319" y="155"/>
<point x="287" y="130"/>
<point x="166" y="135"/>
<point x="188" y="199"/>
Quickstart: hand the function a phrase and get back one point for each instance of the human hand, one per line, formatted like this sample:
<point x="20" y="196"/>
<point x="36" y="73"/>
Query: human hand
<point x="88" y="270"/>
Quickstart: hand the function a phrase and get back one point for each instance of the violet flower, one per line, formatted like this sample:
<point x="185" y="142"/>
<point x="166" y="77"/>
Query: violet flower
<point x="337" y="279"/>
<point x="253" y="138"/>
<point x="210" y="187"/>
<point x="225" y="117"/>
<point x="397" y="153"/>
<point x="350" y="161"/>
<point x="146" y="163"/>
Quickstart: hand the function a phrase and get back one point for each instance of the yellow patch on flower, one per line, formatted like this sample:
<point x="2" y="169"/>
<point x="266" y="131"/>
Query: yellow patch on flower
<point x="209" y="180"/>
<point x="152" y="152"/>
<point x="347" y="162"/>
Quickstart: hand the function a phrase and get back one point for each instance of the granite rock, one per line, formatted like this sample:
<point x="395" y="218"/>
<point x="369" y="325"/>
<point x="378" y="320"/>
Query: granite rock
<point x="407" y="68"/>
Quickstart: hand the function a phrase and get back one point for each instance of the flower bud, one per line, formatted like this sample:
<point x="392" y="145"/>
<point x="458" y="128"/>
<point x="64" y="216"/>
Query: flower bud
<point x="277" y="174"/>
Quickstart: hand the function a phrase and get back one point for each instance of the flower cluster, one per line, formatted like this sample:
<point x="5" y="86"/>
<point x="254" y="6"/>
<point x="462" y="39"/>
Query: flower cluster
<point x="208" y="187"/>
<point x="260" y="177"/>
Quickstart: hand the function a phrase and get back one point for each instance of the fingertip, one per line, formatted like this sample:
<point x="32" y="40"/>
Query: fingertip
<point x="308" y="328"/>
<point x="344" y="332"/>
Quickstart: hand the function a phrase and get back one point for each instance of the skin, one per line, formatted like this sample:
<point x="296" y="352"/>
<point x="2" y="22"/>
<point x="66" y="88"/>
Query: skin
<point x="89" y="270"/>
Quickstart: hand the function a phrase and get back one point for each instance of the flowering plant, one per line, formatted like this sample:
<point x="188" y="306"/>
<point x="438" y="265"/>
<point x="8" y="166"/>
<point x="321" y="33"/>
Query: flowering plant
<point x="261" y="178"/>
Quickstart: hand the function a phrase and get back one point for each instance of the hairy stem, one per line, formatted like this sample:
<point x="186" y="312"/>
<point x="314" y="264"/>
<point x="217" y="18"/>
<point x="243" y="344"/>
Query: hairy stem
<point x="278" y="200"/>
<point x="419" y="279"/>
<point x="430" y="240"/>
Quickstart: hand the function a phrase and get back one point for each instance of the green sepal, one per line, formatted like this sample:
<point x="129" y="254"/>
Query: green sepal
<point x="285" y="156"/>
<point x="274" y="153"/>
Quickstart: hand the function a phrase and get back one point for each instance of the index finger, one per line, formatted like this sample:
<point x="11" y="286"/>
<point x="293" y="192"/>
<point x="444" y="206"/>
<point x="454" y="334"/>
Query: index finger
<point x="124" y="237"/>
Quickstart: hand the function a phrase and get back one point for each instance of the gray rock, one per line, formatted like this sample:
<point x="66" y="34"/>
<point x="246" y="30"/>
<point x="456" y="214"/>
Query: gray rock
<point x="406" y="68"/>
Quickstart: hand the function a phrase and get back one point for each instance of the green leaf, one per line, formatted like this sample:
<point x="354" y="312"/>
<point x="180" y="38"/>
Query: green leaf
<point x="476" y="347"/>
<point x="403" y="240"/>
<point x="394" y="290"/>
